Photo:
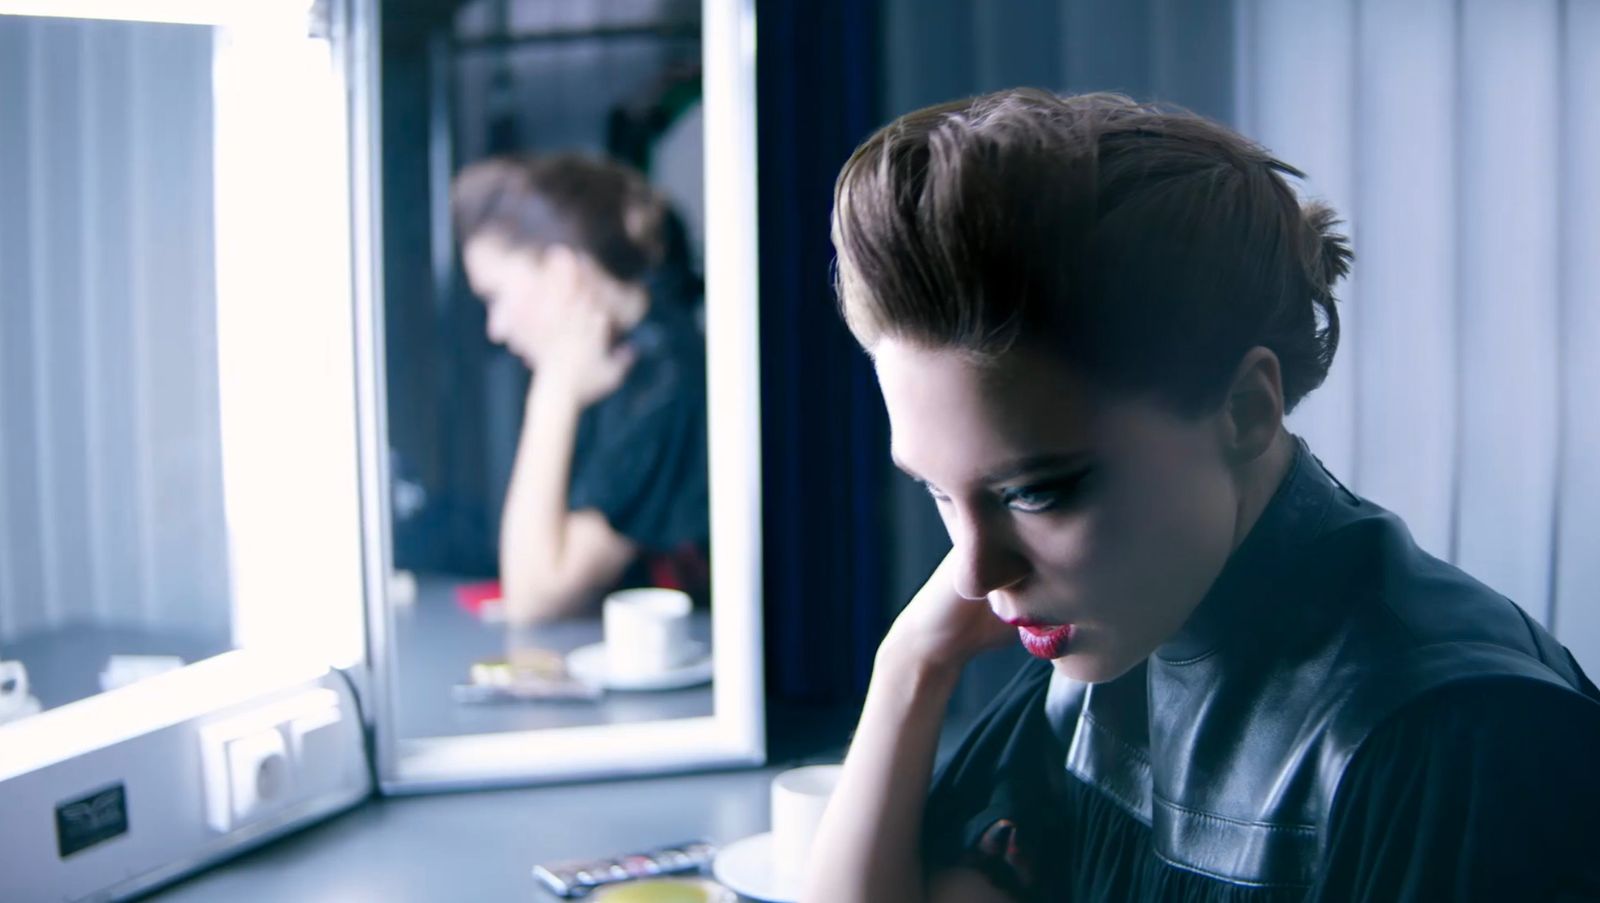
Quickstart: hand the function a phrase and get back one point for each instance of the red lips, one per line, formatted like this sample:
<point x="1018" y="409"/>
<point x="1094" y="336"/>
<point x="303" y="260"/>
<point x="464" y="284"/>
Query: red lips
<point x="1047" y="641"/>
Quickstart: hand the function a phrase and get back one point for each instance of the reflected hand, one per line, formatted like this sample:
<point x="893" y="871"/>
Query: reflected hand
<point x="939" y="628"/>
<point x="579" y="357"/>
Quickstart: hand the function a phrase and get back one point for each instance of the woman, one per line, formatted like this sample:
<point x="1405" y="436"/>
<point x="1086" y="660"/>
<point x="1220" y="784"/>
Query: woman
<point x="1088" y="319"/>
<point x="610" y="471"/>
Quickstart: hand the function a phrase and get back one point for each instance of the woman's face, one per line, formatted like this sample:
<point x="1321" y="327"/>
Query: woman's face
<point x="521" y="289"/>
<point x="1065" y="506"/>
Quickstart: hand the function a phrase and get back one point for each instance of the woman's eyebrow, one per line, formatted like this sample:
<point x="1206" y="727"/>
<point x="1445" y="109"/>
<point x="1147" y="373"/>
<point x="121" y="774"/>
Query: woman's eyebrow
<point x="1035" y="464"/>
<point x="1012" y="470"/>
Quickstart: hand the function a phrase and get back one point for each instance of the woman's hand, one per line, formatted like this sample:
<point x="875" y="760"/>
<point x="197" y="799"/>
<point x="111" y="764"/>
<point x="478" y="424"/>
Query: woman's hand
<point x="869" y="835"/>
<point x="941" y="630"/>
<point x="578" y="358"/>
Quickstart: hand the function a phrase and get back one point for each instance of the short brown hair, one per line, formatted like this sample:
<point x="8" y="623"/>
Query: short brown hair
<point x="597" y="206"/>
<point x="1151" y="246"/>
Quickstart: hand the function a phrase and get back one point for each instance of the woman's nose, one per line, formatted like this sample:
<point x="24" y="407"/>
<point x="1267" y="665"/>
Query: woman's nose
<point x="986" y="558"/>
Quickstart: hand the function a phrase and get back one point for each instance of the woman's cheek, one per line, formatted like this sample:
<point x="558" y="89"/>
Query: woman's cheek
<point x="1118" y="553"/>
<point x="544" y="316"/>
<point x="524" y="322"/>
<point x="1067" y="547"/>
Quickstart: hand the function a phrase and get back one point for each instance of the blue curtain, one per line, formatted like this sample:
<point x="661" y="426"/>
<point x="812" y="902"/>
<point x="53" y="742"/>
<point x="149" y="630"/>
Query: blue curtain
<point x="824" y="434"/>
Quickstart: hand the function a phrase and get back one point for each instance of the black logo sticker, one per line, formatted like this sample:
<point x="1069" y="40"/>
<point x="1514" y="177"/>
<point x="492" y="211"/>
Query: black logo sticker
<point x="98" y="817"/>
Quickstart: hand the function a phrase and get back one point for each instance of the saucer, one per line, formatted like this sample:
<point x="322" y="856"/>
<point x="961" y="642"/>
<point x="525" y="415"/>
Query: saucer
<point x="665" y="890"/>
<point x="746" y="867"/>
<point x="588" y="664"/>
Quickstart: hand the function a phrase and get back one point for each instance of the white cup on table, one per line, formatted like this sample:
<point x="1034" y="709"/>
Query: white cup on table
<point x="13" y="688"/>
<point x="647" y="631"/>
<point x="799" y="797"/>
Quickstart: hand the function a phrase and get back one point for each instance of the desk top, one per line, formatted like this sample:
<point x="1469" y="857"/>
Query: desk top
<point x="436" y="642"/>
<point x="482" y="846"/>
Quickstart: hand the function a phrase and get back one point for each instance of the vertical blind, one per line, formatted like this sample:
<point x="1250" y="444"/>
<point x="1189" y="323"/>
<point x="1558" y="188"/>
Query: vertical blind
<point x="111" y="507"/>
<point x="1459" y="139"/>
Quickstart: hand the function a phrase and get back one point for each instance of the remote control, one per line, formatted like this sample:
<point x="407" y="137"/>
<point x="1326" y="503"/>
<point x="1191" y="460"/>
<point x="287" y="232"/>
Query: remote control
<point x="578" y="877"/>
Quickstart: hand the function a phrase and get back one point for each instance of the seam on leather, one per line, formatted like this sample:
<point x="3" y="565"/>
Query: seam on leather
<point x="1527" y="624"/>
<point x="1131" y="809"/>
<point x="1386" y="608"/>
<point x="1243" y="823"/>
<point x="1198" y="658"/>
<point x="1103" y="730"/>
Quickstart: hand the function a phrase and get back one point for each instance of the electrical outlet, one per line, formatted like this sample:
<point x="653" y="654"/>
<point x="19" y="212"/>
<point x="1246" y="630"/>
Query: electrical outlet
<point x="259" y="775"/>
<point x="257" y="762"/>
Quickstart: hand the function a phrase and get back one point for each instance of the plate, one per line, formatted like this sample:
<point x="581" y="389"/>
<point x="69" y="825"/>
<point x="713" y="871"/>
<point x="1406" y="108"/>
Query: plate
<point x="746" y="867"/>
<point x="588" y="664"/>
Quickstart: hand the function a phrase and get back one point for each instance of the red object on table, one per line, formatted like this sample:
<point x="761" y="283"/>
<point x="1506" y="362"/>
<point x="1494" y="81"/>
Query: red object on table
<point x="684" y="568"/>
<point x="472" y="596"/>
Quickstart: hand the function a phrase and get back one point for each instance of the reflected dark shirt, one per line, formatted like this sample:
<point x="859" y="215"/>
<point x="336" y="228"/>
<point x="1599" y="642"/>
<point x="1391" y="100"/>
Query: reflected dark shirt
<point x="640" y="453"/>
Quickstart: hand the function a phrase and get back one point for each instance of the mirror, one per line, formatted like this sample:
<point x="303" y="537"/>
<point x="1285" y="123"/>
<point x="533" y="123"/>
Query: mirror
<point x="552" y="335"/>
<point x="113" y="543"/>
<point x="151" y="512"/>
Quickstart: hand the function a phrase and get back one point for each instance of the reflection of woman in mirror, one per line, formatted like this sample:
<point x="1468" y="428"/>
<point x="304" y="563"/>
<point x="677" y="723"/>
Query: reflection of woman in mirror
<point x="1088" y="319"/>
<point x="609" y="480"/>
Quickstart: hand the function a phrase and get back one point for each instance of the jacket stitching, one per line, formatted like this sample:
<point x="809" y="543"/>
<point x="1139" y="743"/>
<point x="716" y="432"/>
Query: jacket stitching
<point x="1266" y="826"/>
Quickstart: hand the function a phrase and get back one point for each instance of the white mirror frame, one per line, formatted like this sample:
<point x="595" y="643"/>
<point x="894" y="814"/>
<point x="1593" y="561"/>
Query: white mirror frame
<point x="734" y="735"/>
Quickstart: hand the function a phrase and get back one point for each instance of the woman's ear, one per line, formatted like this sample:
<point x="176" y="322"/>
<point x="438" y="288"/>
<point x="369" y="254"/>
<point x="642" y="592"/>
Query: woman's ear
<point x="1253" y="411"/>
<point x="576" y="276"/>
<point x="561" y="266"/>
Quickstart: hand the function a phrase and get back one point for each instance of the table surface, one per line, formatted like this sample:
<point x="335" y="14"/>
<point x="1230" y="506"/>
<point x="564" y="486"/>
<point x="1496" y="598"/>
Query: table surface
<point x="483" y="845"/>
<point x="437" y="641"/>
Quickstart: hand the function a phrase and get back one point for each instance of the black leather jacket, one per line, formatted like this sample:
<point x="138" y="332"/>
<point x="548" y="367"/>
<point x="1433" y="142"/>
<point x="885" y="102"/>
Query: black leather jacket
<point x="1231" y="740"/>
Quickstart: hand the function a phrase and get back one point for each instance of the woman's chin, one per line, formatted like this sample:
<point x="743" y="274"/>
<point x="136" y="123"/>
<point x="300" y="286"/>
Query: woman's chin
<point x="521" y="354"/>
<point x="1093" y="666"/>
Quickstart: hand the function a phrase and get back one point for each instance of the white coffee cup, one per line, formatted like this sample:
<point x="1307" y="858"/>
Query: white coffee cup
<point x="13" y="687"/>
<point x="799" y="797"/>
<point x="646" y="631"/>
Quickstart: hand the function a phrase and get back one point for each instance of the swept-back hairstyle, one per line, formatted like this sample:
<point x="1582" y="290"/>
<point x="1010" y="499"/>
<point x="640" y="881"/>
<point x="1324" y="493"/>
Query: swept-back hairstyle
<point x="1151" y="247"/>
<point x="597" y="206"/>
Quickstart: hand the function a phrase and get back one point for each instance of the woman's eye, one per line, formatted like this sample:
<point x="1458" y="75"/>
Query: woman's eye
<point x="937" y="496"/>
<point x="1031" y="500"/>
<point x="1044" y="496"/>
